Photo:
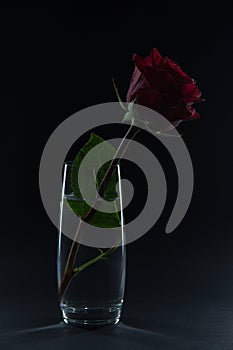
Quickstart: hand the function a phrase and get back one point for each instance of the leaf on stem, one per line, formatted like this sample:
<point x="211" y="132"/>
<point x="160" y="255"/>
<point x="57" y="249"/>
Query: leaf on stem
<point x="77" y="203"/>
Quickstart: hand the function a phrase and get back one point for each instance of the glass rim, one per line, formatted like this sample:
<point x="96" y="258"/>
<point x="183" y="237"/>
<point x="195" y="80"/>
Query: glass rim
<point x="69" y="163"/>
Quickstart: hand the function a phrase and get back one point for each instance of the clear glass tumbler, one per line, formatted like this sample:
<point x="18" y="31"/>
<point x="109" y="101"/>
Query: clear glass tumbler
<point x="91" y="280"/>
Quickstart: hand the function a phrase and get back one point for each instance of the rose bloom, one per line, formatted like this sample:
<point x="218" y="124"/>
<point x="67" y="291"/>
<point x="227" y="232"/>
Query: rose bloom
<point x="160" y="84"/>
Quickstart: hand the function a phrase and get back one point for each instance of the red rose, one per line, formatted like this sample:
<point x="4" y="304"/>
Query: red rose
<point x="160" y="84"/>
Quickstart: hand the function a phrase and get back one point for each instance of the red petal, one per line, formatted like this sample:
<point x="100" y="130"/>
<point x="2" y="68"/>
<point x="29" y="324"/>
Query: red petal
<point x="158" y="79"/>
<point x="151" y="99"/>
<point x="153" y="60"/>
<point x="156" y="57"/>
<point x="176" y="71"/>
<point x="191" y="91"/>
<point x="180" y="112"/>
<point x="137" y="82"/>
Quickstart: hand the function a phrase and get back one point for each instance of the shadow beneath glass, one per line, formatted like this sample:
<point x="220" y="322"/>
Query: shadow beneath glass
<point x="128" y="333"/>
<point x="54" y="330"/>
<point x="143" y="326"/>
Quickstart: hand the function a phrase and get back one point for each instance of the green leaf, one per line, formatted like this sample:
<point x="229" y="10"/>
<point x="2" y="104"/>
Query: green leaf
<point x="77" y="203"/>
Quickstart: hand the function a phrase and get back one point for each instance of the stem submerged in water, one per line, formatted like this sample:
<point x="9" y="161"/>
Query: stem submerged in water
<point x="70" y="269"/>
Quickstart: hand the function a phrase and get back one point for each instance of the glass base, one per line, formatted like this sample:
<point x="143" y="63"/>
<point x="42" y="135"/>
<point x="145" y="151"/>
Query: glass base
<point x="92" y="317"/>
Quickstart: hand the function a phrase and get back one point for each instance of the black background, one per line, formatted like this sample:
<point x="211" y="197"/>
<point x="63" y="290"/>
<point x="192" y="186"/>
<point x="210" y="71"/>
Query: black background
<point x="58" y="60"/>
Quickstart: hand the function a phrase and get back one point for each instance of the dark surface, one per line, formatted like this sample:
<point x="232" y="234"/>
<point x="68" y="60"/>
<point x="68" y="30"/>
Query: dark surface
<point x="56" y="61"/>
<point x="173" y="300"/>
